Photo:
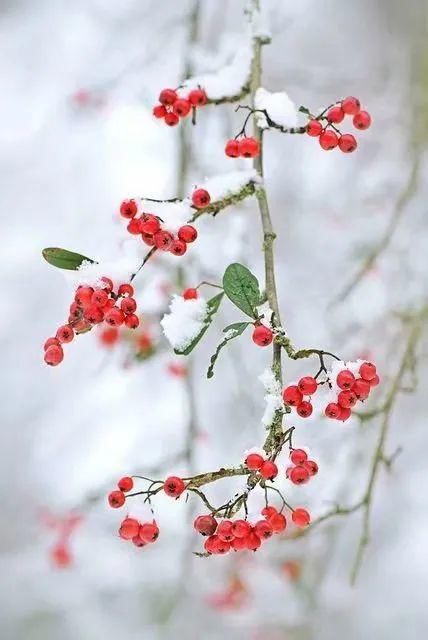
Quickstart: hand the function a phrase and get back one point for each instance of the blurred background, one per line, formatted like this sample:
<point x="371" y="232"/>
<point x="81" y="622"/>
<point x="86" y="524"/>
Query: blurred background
<point x="78" y="82"/>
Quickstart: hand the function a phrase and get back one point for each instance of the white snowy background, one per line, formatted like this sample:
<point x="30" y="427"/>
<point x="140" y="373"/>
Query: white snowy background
<point x="68" y="433"/>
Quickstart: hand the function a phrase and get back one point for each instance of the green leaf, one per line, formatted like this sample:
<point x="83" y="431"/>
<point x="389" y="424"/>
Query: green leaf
<point x="242" y="288"/>
<point x="212" y="308"/>
<point x="64" y="259"/>
<point x="232" y="331"/>
<point x="305" y="110"/>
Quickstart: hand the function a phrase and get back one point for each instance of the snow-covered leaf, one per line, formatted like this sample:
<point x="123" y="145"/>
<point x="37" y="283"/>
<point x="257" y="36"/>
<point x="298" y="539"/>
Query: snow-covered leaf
<point x="212" y="307"/>
<point x="242" y="288"/>
<point x="232" y="331"/>
<point x="64" y="259"/>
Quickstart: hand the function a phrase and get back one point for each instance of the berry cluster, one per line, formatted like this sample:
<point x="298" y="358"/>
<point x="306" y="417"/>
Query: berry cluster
<point x="294" y="395"/>
<point x="91" y="306"/>
<point x="241" y="535"/>
<point x="141" y="533"/>
<point x="245" y="147"/>
<point x="173" y="106"/>
<point x="149" y="227"/>
<point x="257" y="462"/>
<point x="302" y="469"/>
<point x="329" y="135"/>
<point x="351" y="389"/>
<point x="117" y="497"/>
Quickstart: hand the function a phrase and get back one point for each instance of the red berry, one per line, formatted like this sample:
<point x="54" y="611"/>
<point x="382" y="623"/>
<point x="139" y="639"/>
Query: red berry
<point x="225" y="530"/>
<point x="167" y="97"/>
<point x="148" y="239"/>
<point x="254" y="461"/>
<point x="351" y="105"/>
<point x="344" y="414"/>
<point x="362" y="120"/>
<point x="292" y="395"/>
<point x="107" y="284"/>
<point x="201" y="198"/>
<point x="109" y="336"/>
<point x="171" y="119"/>
<point x="347" y="143"/>
<point x="174" y="486"/>
<point x="252" y="541"/>
<point x="298" y="456"/>
<point x="268" y="470"/>
<point x="210" y="543"/>
<point x="129" y="528"/>
<point x="99" y="298"/>
<point x="125" y="484"/>
<point x="149" y="532"/>
<point x="163" y="240"/>
<point x="132" y="321"/>
<point x="114" y="317"/>
<point x="374" y="381"/>
<point x="278" y="522"/>
<point x="241" y="528"/>
<point x="134" y="226"/>
<point x="159" y="111"/>
<point x="65" y="333"/>
<point x="128" y="305"/>
<point x="138" y="542"/>
<point x="307" y="385"/>
<point x="262" y="336"/>
<point x="345" y="379"/>
<point x="346" y="399"/>
<point x="328" y="140"/>
<point x="314" y="128"/>
<point x="125" y="289"/>
<point x="232" y="149"/>
<point x="332" y="410"/>
<point x="367" y="371"/>
<point x="75" y="310"/>
<point x="263" y="529"/>
<point x="311" y="467"/>
<point x="50" y="342"/>
<point x="54" y="355"/>
<point x="128" y="208"/>
<point x="190" y="294"/>
<point x="249" y="148"/>
<point x="81" y="326"/>
<point x="206" y="525"/>
<point x="361" y="388"/>
<point x="187" y="233"/>
<point x="83" y="296"/>
<point x="149" y="224"/>
<point x="268" y="511"/>
<point x="238" y="544"/>
<point x="300" y="517"/>
<point x="94" y="314"/>
<point x="197" y="97"/>
<point x="178" y="247"/>
<point x="181" y="107"/>
<point x="335" y="114"/>
<point x="304" y="409"/>
<point x="299" y="475"/>
<point x="116" y="499"/>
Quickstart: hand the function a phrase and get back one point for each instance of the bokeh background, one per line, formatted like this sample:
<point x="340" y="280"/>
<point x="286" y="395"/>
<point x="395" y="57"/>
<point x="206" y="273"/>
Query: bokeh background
<point x="77" y="83"/>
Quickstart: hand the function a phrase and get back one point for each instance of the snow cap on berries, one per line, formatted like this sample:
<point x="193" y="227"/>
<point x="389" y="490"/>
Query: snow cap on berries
<point x="184" y="321"/>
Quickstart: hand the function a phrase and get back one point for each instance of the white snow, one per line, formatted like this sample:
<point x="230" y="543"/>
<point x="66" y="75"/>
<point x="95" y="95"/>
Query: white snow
<point x="279" y="107"/>
<point x="261" y="452"/>
<point x="227" y="81"/>
<point x="118" y="270"/>
<point x="184" y="321"/>
<point x="265" y="314"/>
<point x="224" y="184"/>
<point x="273" y="397"/>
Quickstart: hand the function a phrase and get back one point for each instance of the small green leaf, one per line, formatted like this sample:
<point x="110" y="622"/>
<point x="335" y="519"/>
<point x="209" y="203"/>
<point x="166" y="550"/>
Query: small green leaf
<point x="303" y="109"/>
<point x="212" y="307"/>
<point x="64" y="259"/>
<point x="242" y="288"/>
<point x="232" y="331"/>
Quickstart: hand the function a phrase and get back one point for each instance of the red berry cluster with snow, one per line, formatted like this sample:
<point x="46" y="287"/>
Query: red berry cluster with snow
<point x="92" y="306"/>
<point x="328" y="134"/>
<point x="176" y="103"/>
<point x="154" y="232"/>
<point x="299" y="395"/>
<point x="349" y="383"/>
